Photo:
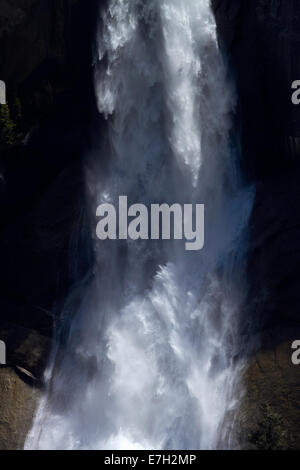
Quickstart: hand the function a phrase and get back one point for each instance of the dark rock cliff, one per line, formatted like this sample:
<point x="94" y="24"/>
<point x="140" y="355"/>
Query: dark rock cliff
<point x="45" y="59"/>
<point x="262" y="43"/>
<point x="262" y="37"/>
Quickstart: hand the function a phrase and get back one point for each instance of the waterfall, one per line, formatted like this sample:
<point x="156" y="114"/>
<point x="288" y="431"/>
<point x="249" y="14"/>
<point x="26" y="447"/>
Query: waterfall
<point x="153" y="357"/>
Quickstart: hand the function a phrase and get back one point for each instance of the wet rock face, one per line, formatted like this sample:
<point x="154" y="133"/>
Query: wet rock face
<point x="270" y="413"/>
<point x="13" y="13"/>
<point x="17" y="407"/>
<point x="46" y="50"/>
<point x="274" y="264"/>
<point x="260" y="38"/>
<point x="21" y="382"/>
<point x="262" y="41"/>
<point x="46" y="57"/>
<point x="30" y="32"/>
<point x="272" y="381"/>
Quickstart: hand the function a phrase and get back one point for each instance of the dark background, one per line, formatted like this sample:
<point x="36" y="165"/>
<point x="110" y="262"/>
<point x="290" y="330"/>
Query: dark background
<point x="46" y="57"/>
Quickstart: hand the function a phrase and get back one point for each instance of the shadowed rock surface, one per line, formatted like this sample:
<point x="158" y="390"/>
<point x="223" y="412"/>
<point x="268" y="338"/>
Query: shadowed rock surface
<point x="18" y="401"/>
<point x="46" y="60"/>
<point x="270" y="413"/>
<point x="262" y="41"/>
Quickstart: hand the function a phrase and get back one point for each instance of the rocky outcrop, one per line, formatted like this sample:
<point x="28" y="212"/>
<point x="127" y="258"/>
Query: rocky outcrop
<point x="272" y="381"/>
<point x="261" y="39"/>
<point x="270" y="412"/>
<point x="274" y="264"/>
<point x="31" y="31"/>
<point x="46" y="53"/>
<point x="19" y="398"/>
<point x="46" y="60"/>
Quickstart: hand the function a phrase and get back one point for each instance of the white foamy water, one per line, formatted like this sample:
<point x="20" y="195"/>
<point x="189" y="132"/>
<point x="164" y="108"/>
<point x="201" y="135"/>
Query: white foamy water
<point x="153" y="358"/>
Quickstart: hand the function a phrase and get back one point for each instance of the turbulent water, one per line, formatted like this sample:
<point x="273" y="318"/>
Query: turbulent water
<point x="153" y="357"/>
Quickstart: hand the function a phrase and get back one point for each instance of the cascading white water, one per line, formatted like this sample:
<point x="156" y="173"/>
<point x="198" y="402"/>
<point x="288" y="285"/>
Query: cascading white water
<point x="152" y="359"/>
